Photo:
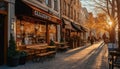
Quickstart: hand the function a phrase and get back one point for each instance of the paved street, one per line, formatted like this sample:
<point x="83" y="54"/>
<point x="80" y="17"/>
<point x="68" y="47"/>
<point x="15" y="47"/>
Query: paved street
<point x="89" y="57"/>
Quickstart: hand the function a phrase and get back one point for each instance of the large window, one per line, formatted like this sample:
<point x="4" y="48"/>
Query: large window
<point x="52" y="32"/>
<point x="56" y="5"/>
<point x="30" y="33"/>
<point x="48" y="3"/>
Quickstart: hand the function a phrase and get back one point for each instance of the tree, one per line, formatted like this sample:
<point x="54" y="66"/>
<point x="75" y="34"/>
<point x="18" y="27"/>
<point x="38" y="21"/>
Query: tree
<point x="101" y="23"/>
<point x="90" y="23"/>
<point x="108" y="7"/>
<point x="118" y="11"/>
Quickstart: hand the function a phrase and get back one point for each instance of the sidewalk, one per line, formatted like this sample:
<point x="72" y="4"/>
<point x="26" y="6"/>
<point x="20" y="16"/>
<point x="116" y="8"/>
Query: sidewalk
<point x="86" y="57"/>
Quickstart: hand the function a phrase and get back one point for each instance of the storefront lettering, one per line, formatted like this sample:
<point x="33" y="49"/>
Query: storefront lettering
<point x="39" y="14"/>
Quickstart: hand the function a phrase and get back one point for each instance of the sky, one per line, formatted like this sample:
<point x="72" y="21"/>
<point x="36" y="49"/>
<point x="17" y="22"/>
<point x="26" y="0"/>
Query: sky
<point x="85" y="3"/>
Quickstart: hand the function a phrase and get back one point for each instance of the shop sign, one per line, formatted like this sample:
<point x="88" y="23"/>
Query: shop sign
<point x="3" y="5"/>
<point x="42" y="15"/>
<point x="39" y="14"/>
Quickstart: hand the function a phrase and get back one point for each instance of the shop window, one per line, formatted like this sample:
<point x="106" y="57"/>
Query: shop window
<point x="30" y="33"/>
<point x="41" y="33"/>
<point x="52" y="32"/>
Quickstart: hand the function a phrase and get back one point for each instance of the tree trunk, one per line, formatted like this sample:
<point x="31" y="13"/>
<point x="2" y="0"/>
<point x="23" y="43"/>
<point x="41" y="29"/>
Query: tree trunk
<point x="118" y="7"/>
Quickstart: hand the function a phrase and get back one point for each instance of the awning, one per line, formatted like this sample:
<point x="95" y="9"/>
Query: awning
<point x="83" y="28"/>
<point x="77" y="27"/>
<point x="24" y="8"/>
<point x="68" y="25"/>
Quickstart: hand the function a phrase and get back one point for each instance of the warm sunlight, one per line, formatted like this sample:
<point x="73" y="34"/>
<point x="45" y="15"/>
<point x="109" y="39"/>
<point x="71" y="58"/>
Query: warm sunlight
<point x="59" y="34"/>
<point x="110" y="23"/>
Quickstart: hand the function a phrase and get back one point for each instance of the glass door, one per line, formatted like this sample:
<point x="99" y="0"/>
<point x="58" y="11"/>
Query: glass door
<point x="2" y="22"/>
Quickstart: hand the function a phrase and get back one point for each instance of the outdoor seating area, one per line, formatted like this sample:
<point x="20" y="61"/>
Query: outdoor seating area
<point x="114" y="58"/>
<point x="61" y="46"/>
<point x="39" y="52"/>
<point x="42" y="52"/>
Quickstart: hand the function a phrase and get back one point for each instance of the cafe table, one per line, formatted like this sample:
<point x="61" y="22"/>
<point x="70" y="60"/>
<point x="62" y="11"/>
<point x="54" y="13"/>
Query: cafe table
<point x="114" y="54"/>
<point x="60" y="45"/>
<point x="37" y="50"/>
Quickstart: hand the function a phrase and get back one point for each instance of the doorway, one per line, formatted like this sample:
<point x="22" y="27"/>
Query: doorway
<point x="2" y="23"/>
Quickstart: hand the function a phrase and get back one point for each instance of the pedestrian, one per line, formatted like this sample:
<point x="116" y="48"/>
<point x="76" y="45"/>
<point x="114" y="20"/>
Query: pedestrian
<point x="88" y="38"/>
<point x="104" y="37"/>
<point x="92" y="40"/>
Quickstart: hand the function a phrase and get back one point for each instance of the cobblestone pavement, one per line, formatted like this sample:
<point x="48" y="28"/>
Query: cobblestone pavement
<point x="89" y="57"/>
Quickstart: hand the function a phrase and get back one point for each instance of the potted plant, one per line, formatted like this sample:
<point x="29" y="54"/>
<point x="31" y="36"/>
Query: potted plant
<point x="62" y="41"/>
<point x="13" y="54"/>
<point x="23" y="56"/>
<point x="51" y="43"/>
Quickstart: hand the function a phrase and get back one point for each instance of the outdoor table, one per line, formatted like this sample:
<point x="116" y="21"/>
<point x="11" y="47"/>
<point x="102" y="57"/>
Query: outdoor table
<point x="42" y="50"/>
<point x="36" y="50"/>
<point x="114" y="54"/>
<point x="51" y="46"/>
<point x="61" y="45"/>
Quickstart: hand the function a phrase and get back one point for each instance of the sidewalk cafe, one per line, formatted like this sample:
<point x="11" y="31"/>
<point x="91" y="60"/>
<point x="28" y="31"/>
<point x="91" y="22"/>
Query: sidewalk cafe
<point x="72" y="33"/>
<point x="34" y="29"/>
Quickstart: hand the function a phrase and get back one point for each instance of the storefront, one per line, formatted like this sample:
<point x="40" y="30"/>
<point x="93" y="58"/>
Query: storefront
<point x="71" y="33"/>
<point x="34" y="25"/>
<point x="3" y="30"/>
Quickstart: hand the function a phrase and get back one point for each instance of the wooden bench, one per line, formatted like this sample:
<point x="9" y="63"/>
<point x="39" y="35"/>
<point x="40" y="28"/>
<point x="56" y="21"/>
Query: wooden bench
<point x="64" y="48"/>
<point x="114" y="60"/>
<point x="41" y="51"/>
<point x="45" y="55"/>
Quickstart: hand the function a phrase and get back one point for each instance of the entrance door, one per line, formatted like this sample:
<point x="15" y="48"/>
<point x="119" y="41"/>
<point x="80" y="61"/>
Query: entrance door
<point x="2" y="22"/>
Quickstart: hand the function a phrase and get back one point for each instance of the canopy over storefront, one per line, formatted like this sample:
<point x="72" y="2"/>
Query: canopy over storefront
<point x="26" y="9"/>
<point x="83" y="29"/>
<point x="68" y="25"/>
<point x="77" y="27"/>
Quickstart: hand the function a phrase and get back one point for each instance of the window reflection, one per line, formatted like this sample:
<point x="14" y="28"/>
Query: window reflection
<point x="52" y="31"/>
<point x="30" y="33"/>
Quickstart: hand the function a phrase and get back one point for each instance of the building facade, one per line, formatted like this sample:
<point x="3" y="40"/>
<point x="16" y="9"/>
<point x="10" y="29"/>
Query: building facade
<point x="70" y="15"/>
<point x="31" y="22"/>
<point x="38" y="23"/>
<point x="6" y="19"/>
<point x="84" y="17"/>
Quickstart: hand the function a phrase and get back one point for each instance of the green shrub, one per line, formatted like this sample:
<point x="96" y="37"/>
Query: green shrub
<point x="12" y="52"/>
<point x="51" y="43"/>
